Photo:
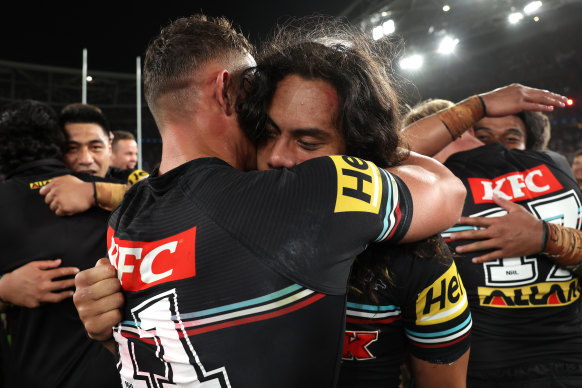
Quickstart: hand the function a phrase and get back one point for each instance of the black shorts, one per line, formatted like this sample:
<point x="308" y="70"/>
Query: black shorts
<point x="542" y="375"/>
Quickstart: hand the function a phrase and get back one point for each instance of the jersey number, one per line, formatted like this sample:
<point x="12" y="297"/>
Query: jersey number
<point x="172" y="361"/>
<point x="562" y="209"/>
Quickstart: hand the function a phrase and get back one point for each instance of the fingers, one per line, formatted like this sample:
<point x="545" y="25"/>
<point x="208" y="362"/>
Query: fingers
<point x="88" y="307"/>
<point x="61" y="285"/>
<point x="102" y="289"/>
<point x="96" y="274"/>
<point x="476" y="246"/>
<point x="91" y="311"/>
<point x="476" y="221"/>
<point x="46" y="189"/>
<point x="100" y="328"/>
<point x="489" y="257"/>
<point x="47" y="264"/>
<point x="505" y="204"/>
<point x="56" y="297"/>
<point x="547" y="98"/>
<point x="62" y="272"/>
<point x="103" y="261"/>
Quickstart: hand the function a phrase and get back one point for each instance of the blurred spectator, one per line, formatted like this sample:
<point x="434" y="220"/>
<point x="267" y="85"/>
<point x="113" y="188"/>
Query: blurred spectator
<point x="124" y="150"/>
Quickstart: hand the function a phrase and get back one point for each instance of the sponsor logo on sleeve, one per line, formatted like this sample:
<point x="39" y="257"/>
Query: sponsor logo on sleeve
<point x="141" y="265"/>
<point x="137" y="176"/>
<point x="515" y="186"/>
<point x="443" y="300"/>
<point x="359" y="185"/>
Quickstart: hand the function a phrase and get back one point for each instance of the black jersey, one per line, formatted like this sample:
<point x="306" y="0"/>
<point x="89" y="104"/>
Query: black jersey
<point x="239" y="279"/>
<point x="526" y="310"/>
<point x="423" y="310"/>
<point x="49" y="344"/>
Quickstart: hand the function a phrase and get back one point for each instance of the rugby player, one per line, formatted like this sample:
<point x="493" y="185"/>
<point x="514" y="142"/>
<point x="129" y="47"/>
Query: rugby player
<point x="239" y="278"/>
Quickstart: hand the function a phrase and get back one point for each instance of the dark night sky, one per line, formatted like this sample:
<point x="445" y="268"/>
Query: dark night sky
<point x="54" y="33"/>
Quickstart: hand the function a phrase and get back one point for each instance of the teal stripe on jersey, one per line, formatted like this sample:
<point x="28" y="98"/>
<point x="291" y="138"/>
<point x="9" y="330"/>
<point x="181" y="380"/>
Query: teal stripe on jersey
<point x="246" y="303"/>
<point x="441" y="333"/>
<point x="369" y="307"/>
<point x="251" y="302"/>
<point x="388" y="206"/>
<point x="459" y="229"/>
<point x="554" y="218"/>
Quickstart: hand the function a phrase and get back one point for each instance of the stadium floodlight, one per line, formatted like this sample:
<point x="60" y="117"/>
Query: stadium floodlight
<point x="89" y="78"/>
<point x="532" y="7"/>
<point x="446" y="8"/>
<point x="383" y="29"/>
<point x="515" y="17"/>
<point x="447" y="45"/>
<point x="377" y="32"/>
<point x="413" y="62"/>
<point x="388" y="27"/>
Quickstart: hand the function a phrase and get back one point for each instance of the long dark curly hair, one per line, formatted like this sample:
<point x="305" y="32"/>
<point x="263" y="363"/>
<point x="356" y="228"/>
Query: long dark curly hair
<point x="368" y="115"/>
<point x="29" y="131"/>
<point x="359" y="70"/>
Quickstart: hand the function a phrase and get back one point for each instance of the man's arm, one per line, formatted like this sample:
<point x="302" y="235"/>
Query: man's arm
<point x="520" y="233"/>
<point x="34" y="283"/>
<point x="438" y="196"/>
<point x="99" y="300"/>
<point x="67" y="195"/>
<point x="427" y="375"/>
<point x="431" y="134"/>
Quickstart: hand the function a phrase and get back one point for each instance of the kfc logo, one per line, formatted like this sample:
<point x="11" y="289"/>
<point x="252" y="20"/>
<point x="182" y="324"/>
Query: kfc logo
<point x="515" y="186"/>
<point x="141" y="265"/>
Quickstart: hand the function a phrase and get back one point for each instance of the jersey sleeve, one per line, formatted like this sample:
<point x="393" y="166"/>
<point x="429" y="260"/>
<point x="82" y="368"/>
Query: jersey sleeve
<point x="309" y="222"/>
<point x="435" y="311"/>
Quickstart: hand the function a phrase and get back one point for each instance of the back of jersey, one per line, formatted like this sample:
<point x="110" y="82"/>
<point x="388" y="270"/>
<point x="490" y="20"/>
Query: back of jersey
<point x="51" y="347"/>
<point x="230" y="278"/>
<point x="525" y="309"/>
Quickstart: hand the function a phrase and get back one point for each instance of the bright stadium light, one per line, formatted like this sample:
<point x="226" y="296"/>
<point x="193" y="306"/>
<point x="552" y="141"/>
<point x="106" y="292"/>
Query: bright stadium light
<point x="377" y="32"/>
<point x="532" y="7"/>
<point x="413" y="62"/>
<point x="446" y="8"/>
<point x="383" y="29"/>
<point x="89" y="78"/>
<point x="515" y="17"/>
<point x="388" y="27"/>
<point x="447" y="45"/>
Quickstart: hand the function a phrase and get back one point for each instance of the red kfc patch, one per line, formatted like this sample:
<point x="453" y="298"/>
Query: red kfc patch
<point x="141" y="265"/>
<point x="515" y="186"/>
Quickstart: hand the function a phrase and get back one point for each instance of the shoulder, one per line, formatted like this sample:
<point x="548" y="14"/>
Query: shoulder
<point x="129" y="176"/>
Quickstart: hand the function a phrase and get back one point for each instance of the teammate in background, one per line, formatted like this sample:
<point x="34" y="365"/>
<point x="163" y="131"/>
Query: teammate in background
<point x="211" y="258"/>
<point x="518" y="297"/>
<point x="577" y="167"/>
<point x="49" y="347"/>
<point x="396" y="303"/>
<point x="123" y="150"/>
<point x="88" y="150"/>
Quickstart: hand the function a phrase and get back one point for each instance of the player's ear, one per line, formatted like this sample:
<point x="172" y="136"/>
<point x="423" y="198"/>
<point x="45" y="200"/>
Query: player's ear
<point x="222" y="84"/>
